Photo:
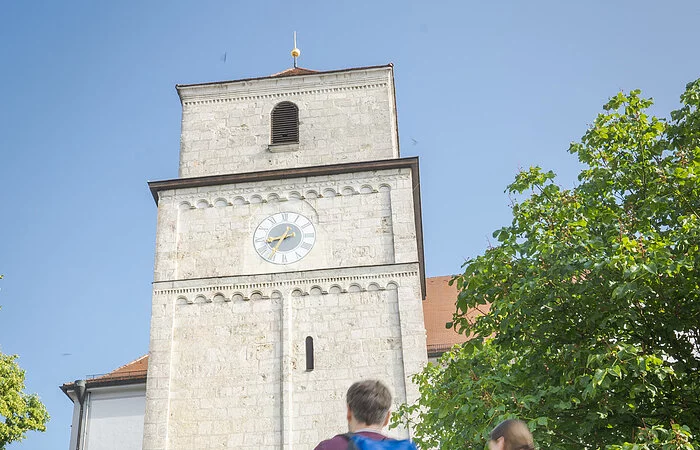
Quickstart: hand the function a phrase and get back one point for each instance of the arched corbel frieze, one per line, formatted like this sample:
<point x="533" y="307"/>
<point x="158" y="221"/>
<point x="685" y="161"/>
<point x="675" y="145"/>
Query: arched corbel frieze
<point x="279" y="290"/>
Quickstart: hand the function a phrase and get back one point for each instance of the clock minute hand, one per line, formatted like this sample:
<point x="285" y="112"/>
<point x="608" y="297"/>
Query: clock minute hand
<point x="276" y="238"/>
<point x="279" y="241"/>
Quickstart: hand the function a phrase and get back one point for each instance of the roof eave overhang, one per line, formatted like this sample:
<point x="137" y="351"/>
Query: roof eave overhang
<point x="182" y="89"/>
<point x="67" y="388"/>
<point x="315" y="73"/>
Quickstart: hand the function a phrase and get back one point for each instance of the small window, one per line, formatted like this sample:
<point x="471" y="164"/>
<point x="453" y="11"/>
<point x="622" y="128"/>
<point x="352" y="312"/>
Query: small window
<point x="309" y="353"/>
<point x="285" y="123"/>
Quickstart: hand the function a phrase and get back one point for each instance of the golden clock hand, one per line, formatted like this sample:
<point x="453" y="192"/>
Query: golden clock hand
<point x="279" y="242"/>
<point x="284" y="236"/>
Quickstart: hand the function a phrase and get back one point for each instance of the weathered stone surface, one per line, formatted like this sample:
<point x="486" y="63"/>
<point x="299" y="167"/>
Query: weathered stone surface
<point x="227" y="366"/>
<point x="343" y="117"/>
<point x="208" y="231"/>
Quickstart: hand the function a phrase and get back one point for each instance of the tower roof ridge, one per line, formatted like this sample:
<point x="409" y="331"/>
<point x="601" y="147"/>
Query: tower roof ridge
<point x="294" y="71"/>
<point x="287" y="73"/>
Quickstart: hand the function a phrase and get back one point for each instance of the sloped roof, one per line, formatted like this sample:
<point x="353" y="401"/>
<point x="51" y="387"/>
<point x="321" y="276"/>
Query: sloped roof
<point x="438" y="307"/>
<point x="294" y="71"/>
<point x="130" y="373"/>
<point x="134" y="369"/>
<point x="287" y="73"/>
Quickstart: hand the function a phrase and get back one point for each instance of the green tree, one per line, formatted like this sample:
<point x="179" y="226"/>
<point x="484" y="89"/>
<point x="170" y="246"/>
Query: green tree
<point x="593" y="335"/>
<point x="19" y="412"/>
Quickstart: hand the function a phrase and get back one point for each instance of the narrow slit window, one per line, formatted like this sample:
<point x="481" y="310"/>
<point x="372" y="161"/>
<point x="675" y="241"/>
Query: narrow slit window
<point x="285" y="123"/>
<point x="309" y="353"/>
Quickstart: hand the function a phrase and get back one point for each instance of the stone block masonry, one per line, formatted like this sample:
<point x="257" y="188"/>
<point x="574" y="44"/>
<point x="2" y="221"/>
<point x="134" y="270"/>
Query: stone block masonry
<point x="359" y="218"/>
<point x="229" y="329"/>
<point x="227" y="365"/>
<point x="343" y="117"/>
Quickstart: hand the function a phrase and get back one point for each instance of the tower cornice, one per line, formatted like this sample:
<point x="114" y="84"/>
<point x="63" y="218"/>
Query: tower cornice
<point x="277" y="75"/>
<point x="284" y="84"/>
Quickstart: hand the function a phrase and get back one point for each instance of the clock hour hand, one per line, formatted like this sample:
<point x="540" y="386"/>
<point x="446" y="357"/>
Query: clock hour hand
<point x="280" y="239"/>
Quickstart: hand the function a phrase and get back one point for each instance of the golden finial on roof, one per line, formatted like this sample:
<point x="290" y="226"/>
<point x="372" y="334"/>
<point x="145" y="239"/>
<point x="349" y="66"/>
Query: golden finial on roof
<point x="295" y="51"/>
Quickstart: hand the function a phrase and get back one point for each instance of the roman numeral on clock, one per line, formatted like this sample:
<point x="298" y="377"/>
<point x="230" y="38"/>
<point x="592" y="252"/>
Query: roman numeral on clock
<point x="284" y="238"/>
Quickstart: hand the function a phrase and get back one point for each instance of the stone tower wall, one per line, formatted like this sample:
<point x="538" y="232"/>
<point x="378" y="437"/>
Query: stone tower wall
<point x="227" y="365"/>
<point x="344" y="116"/>
<point x="228" y="330"/>
<point x="360" y="218"/>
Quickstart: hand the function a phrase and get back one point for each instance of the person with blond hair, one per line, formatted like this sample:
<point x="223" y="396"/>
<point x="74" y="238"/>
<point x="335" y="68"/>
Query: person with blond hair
<point x="511" y="434"/>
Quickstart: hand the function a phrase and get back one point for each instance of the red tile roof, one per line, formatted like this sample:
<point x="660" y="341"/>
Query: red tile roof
<point x="438" y="307"/>
<point x="133" y="372"/>
<point x="135" y="369"/>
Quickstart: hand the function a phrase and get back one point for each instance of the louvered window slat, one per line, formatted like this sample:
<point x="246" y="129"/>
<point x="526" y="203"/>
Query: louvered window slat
<point x="285" y="123"/>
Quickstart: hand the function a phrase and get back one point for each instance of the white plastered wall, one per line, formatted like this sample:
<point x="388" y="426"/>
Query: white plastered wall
<point x="113" y="418"/>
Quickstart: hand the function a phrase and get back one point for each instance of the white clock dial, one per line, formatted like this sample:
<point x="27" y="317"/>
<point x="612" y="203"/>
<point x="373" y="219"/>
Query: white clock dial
<point x="284" y="238"/>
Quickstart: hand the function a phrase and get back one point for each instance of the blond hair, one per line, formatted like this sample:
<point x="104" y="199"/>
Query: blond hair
<point x="515" y="433"/>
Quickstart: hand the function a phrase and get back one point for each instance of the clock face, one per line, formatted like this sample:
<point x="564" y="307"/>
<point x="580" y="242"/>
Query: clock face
<point x="284" y="238"/>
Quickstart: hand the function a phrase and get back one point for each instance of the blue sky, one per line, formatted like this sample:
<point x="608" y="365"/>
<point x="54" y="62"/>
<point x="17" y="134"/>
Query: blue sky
<point x="89" y="114"/>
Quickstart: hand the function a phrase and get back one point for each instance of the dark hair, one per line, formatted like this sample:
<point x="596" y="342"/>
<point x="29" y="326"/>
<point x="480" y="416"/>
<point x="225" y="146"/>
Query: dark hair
<point x="515" y="433"/>
<point x="369" y="401"/>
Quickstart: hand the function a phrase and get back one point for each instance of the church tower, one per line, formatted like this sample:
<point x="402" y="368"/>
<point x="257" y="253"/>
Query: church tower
<point x="289" y="262"/>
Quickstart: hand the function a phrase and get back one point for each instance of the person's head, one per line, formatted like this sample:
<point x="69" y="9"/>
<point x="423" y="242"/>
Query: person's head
<point x="369" y="402"/>
<point x="511" y="434"/>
